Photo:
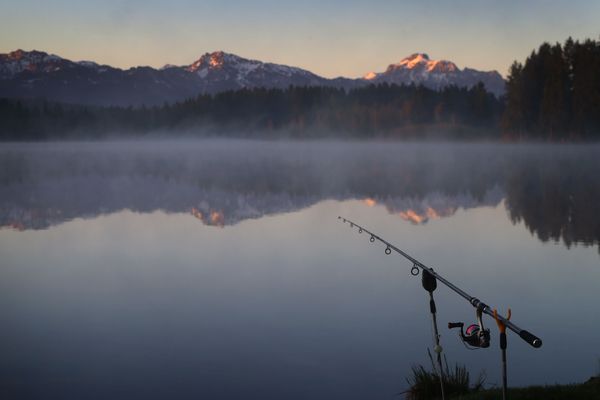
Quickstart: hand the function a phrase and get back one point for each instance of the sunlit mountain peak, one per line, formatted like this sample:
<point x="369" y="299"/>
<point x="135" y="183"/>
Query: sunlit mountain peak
<point x="422" y="61"/>
<point x="414" y="60"/>
<point x="19" y="61"/>
<point x="215" y="60"/>
<point x="419" y="69"/>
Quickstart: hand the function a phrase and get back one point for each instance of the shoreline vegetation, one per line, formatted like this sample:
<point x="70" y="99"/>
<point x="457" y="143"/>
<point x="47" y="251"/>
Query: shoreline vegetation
<point x="553" y="96"/>
<point x="574" y="391"/>
<point x="424" y="384"/>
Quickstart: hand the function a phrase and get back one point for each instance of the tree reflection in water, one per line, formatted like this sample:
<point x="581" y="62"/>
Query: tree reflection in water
<point x="553" y="189"/>
<point x="557" y="195"/>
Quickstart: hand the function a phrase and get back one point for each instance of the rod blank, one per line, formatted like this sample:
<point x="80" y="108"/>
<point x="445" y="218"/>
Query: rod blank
<point x="475" y="302"/>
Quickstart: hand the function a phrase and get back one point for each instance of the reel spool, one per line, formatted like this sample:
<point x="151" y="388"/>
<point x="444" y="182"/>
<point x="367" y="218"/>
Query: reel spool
<point x="475" y="335"/>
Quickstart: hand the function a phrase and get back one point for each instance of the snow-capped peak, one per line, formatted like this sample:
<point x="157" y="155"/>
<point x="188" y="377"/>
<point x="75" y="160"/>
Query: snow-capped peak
<point x="414" y="60"/>
<point x="422" y="61"/>
<point x="32" y="56"/>
<point x="18" y="61"/>
<point x="246" y="72"/>
<point x="216" y="60"/>
<point x="419" y="69"/>
<point x="441" y="66"/>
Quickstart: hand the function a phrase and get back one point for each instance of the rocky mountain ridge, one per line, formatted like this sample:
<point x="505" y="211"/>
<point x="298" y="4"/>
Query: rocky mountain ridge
<point x="36" y="75"/>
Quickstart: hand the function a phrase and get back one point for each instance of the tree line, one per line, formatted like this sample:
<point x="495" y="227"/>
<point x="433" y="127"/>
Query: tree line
<point x="382" y="110"/>
<point x="555" y="93"/>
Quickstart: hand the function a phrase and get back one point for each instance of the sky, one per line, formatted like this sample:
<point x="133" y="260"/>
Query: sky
<point x="330" y="38"/>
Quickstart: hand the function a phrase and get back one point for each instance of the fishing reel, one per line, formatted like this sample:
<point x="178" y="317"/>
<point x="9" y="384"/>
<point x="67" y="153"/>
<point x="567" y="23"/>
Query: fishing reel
<point x="475" y="335"/>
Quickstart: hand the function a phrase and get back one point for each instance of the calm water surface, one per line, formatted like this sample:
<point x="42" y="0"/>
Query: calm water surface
<point x="219" y="269"/>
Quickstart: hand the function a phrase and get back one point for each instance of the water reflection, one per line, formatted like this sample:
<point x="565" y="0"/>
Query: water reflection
<point x="140" y="294"/>
<point x="554" y="190"/>
<point x="557" y="195"/>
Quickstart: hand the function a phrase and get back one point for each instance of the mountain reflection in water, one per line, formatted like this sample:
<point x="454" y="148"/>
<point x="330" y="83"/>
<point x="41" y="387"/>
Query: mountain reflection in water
<point x="554" y="190"/>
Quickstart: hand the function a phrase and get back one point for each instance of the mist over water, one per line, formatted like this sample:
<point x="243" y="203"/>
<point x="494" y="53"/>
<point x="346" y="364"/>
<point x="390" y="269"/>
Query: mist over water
<point x="218" y="268"/>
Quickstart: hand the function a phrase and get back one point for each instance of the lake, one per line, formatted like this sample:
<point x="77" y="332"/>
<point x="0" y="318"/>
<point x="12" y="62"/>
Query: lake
<point x="219" y="269"/>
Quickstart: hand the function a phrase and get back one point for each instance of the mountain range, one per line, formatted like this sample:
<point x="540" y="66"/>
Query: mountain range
<point x="36" y="75"/>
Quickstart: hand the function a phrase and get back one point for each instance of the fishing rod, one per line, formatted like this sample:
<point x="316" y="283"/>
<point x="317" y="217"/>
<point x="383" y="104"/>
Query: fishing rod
<point x="476" y="336"/>
<point x="480" y="306"/>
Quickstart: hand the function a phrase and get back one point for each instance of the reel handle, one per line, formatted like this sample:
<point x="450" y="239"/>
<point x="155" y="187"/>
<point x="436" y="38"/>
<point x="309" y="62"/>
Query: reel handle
<point x="452" y="325"/>
<point x="531" y="338"/>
